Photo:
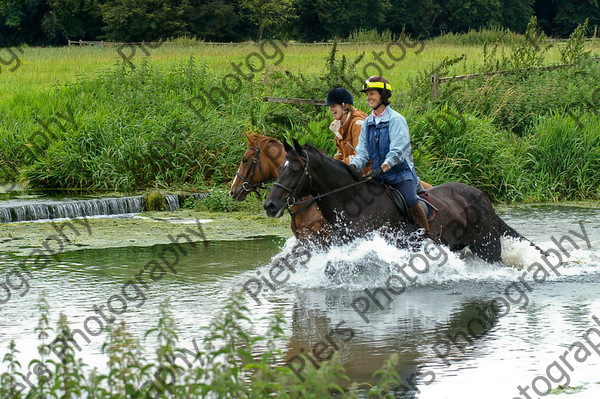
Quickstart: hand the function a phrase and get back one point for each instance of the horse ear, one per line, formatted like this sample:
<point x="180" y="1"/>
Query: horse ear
<point x="248" y="137"/>
<point x="286" y="146"/>
<point x="297" y="145"/>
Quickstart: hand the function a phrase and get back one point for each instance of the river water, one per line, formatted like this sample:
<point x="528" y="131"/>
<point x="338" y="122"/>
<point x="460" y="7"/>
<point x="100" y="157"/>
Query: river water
<point x="462" y="328"/>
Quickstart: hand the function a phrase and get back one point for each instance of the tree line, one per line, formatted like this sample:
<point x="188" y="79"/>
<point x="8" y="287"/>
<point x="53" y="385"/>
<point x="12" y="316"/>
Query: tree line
<point x="53" y="22"/>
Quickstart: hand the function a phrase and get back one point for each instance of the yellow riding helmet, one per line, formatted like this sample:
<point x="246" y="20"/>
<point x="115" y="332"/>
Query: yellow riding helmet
<point x="377" y="83"/>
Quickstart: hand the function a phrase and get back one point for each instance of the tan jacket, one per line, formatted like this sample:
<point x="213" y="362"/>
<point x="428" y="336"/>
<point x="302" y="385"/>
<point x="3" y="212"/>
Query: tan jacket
<point x="346" y="137"/>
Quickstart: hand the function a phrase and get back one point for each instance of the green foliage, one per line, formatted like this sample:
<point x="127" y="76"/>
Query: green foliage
<point x="134" y="21"/>
<point x="565" y="156"/>
<point x="44" y="22"/>
<point x="529" y="52"/>
<point x="231" y="361"/>
<point x="268" y="13"/>
<point x="480" y="36"/>
<point x="125" y="370"/>
<point x="513" y="101"/>
<point x="339" y="72"/>
<point x="218" y="199"/>
<point x="371" y="36"/>
<point x="389" y="379"/>
<point x="155" y="201"/>
<point x="77" y="19"/>
<point x="68" y="376"/>
<point x="450" y="146"/>
<point x="12" y="375"/>
<point x="137" y="130"/>
<point x="563" y="16"/>
<point x="339" y="18"/>
<point x="574" y="51"/>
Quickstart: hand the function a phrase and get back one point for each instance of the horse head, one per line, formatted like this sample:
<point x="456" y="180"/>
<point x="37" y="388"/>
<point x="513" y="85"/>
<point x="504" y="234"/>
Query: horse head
<point x="294" y="181"/>
<point x="259" y="165"/>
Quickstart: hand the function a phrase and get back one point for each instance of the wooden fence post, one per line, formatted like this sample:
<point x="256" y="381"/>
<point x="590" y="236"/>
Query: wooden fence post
<point x="435" y="86"/>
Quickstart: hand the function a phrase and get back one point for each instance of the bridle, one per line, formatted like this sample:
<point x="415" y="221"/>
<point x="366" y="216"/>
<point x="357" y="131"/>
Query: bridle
<point x="291" y="200"/>
<point x="247" y="186"/>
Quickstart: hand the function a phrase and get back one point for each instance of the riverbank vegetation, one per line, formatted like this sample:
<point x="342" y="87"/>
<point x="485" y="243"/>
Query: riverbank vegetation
<point x="230" y="361"/>
<point x="175" y="118"/>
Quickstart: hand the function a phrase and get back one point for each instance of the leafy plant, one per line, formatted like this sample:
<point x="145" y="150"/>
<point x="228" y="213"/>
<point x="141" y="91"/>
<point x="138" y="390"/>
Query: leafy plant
<point x="218" y="199"/>
<point x="234" y="362"/>
<point x="574" y="51"/>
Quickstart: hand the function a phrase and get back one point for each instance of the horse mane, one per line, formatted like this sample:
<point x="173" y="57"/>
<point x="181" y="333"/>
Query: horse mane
<point x="334" y="162"/>
<point x="258" y="140"/>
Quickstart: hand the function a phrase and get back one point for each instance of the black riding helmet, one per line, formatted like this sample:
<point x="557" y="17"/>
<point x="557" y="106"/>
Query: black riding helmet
<point x="380" y="84"/>
<point x="339" y="95"/>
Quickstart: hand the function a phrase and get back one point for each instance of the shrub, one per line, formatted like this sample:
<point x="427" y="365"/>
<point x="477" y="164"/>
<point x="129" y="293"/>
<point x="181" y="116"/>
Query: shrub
<point x="574" y="51"/>
<point x="155" y="201"/>
<point x="362" y="35"/>
<point x="480" y="37"/>
<point x="233" y="362"/>
<point x="218" y="200"/>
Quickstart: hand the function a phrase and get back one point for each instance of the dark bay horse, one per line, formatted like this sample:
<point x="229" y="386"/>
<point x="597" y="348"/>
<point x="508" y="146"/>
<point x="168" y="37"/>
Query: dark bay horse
<point x="259" y="165"/>
<point x="355" y="207"/>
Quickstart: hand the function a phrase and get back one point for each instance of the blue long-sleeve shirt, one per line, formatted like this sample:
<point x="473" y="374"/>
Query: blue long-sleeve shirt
<point x="400" y="149"/>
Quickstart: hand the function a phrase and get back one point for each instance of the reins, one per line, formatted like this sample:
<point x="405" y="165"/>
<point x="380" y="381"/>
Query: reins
<point x="337" y="190"/>
<point x="310" y="201"/>
<point x="246" y="186"/>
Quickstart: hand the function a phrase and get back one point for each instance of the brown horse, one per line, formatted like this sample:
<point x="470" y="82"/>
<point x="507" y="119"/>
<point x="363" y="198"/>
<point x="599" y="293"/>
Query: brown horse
<point x="354" y="207"/>
<point x="259" y="166"/>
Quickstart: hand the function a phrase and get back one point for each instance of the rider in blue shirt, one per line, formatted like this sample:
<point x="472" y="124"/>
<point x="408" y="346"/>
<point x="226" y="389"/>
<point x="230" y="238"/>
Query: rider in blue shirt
<point x="384" y="138"/>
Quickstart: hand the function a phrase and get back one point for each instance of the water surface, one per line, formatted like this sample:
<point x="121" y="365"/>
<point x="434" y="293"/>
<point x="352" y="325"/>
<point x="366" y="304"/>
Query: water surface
<point x="496" y="347"/>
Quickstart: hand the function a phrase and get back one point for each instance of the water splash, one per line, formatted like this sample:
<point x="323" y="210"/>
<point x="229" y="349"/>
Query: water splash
<point x="372" y="262"/>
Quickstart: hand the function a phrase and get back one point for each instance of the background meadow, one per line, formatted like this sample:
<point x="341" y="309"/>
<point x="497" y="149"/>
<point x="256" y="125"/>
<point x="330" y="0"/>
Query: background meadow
<point x="529" y="136"/>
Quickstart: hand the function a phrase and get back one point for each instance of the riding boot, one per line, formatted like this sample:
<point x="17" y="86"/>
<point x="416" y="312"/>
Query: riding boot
<point x="419" y="217"/>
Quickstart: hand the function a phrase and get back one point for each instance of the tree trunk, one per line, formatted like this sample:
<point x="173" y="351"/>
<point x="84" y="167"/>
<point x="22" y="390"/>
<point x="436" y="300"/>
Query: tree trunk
<point x="261" y="29"/>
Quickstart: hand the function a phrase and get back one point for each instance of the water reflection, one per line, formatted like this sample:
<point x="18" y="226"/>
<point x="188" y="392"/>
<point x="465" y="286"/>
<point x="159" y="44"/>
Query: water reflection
<point x="433" y="326"/>
<point x="415" y="326"/>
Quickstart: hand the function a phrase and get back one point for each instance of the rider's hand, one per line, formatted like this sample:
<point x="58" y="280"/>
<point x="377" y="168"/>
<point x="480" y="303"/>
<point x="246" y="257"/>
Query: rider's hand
<point x="376" y="173"/>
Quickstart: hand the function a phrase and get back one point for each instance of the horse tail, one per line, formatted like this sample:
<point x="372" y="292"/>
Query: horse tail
<point x="507" y="231"/>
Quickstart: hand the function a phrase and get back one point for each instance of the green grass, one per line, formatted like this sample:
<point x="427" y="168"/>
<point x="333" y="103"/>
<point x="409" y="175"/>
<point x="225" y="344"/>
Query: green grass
<point x="42" y="68"/>
<point x="133" y="129"/>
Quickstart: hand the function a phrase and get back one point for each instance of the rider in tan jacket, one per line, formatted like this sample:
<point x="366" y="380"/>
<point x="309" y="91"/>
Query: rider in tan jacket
<point x="346" y="125"/>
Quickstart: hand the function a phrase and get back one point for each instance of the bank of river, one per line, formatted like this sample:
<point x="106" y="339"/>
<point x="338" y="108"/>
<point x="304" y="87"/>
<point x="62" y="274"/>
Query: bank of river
<point x="152" y="228"/>
<point x="147" y="229"/>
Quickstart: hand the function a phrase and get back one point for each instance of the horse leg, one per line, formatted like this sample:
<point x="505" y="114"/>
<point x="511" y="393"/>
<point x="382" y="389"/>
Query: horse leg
<point x="489" y="250"/>
<point x="312" y="227"/>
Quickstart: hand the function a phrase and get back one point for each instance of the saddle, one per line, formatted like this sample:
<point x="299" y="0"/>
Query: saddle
<point x="429" y="209"/>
